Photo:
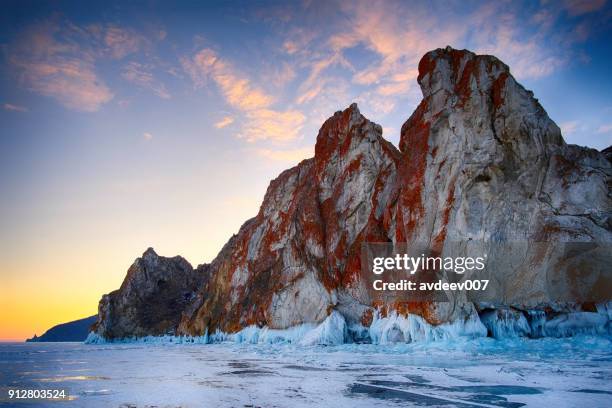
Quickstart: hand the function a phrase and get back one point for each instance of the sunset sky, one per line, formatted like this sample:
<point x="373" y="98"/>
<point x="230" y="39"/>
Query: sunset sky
<point x="125" y="126"/>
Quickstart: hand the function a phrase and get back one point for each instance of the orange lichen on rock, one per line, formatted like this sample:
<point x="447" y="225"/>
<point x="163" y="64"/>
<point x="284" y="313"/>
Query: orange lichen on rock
<point x="498" y="90"/>
<point x="415" y="146"/>
<point x="438" y="241"/>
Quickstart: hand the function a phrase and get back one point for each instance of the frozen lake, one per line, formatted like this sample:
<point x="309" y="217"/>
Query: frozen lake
<point x="574" y="372"/>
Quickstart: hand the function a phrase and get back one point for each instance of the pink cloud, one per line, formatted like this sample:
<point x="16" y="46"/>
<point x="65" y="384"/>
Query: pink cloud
<point x="72" y="82"/>
<point x="122" y="42"/>
<point x="399" y="36"/>
<point x="58" y="58"/>
<point x="141" y="75"/>
<point x="48" y="62"/>
<point x="268" y="124"/>
<point x="316" y="82"/>
<point x="264" y="123"/>
<point x="567" y="128"/>
<point x="605" y="128"/>
<point x="579" y="7"/>
<point x="235" y="87"/>
<point x="226" y="121"/>
<point x="14" y="108"/>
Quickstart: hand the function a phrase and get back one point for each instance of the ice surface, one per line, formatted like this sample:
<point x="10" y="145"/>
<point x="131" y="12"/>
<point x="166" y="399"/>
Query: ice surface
<point x="480" y="371"/>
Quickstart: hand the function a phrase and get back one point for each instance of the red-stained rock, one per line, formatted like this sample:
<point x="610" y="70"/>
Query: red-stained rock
<point x="478" y="159"/>
<point x="304" y="246"/>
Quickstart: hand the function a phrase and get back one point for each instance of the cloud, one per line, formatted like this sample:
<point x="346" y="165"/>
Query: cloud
<point x="122" y="42"/>
<point x="263" y="122"/>
<point x="266" y="124"/>
<point x="534" y="41"/>
<point x="298" y="40"/>
<point x="394" y="88"/>
<point x="226" y="121"/>
<point x="579" y="7"/>
<point x="147" y="136"/>
<point x="142" y="76"/>
<point x="502" y="34"/>
<point x="14" y="108"/>
<point x="309" y="93"/>
<point x="567" y="128"/>
<point x="58" y="58"/>
<point x="291" y="47"/>
<point x="398" y="35"/>
<point x="393" y="39"/>
<point x="371" y="101"/>
<point x="236" y="89"/>
<point x="605" y="128"/>
<point x="278" y="74"/>
<point x="290" y="156"/>
<point x="335" y="94"/>
<point x="49" y="62"/>
<point x="316" y="83"/>
<point x="71" y="82"/>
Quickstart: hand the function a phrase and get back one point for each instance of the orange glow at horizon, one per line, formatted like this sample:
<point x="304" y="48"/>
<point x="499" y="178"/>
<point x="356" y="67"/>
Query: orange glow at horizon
<point x="54" y="281"/>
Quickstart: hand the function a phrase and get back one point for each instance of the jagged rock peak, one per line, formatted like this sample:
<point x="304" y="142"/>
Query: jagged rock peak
<point x="454" y="70"/>
<point x="464" y="91"/>
<point x="149" y="252"/>
<point x="336" y="127"/>
<point x="352" y="108"/>
<point x="151" y="298"/>
<point x="344" y="132"/>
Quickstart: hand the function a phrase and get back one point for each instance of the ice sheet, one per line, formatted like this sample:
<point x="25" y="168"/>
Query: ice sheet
<point x="565" y="372"/>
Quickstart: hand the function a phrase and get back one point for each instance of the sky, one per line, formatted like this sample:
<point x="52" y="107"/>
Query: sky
<point x="128" y="125"/>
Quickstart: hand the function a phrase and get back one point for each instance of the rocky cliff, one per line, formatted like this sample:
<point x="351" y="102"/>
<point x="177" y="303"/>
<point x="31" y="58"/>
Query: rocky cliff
<point x="151" y="299"/>
<point x="478" y="160"/>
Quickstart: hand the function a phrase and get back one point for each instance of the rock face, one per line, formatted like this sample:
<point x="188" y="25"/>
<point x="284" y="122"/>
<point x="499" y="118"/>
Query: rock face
<point x="479" y="159"/>
<point x="483" y="161"/>
<point x="151" y="299"/>
<point x="295" y="261"/>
